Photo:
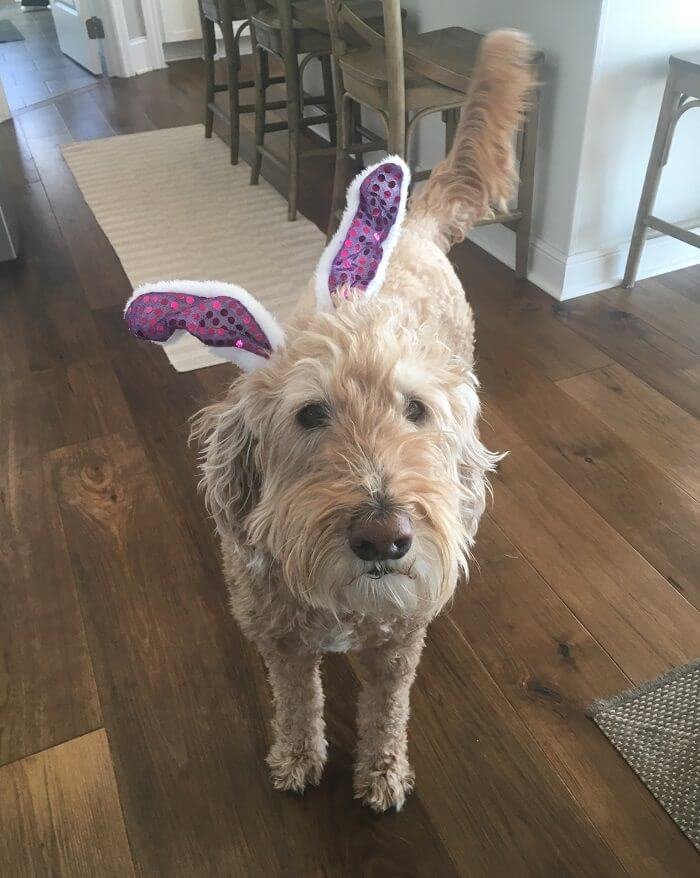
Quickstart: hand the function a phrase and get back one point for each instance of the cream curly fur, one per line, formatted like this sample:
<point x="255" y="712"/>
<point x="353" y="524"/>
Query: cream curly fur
<point x="283" y="497"/>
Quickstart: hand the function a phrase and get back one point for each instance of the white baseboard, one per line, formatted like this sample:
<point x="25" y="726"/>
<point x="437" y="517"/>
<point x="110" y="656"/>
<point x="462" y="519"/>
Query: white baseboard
<point x="140" y="55"/>
<point x="590" y="272"/>
<point x="568" y="276"/>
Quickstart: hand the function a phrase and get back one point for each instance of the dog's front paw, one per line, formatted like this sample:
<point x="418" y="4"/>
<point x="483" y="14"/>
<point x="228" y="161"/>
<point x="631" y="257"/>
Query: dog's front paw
<point x="384" y="784"/>
<point x="295" y="766"/>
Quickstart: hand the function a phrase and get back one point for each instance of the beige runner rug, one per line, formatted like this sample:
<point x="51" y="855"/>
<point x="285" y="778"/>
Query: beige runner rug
<point x="173" y="207"/>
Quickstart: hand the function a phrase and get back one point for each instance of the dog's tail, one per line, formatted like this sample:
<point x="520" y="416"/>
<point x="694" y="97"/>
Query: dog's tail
<point x="478" y="173"/>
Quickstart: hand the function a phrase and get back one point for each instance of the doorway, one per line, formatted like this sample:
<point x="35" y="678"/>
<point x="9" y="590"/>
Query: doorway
<point x="32" y="66"/>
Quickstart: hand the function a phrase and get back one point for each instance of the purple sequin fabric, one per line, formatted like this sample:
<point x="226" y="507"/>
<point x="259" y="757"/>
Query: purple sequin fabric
<point x="219" y="322"/>
<point x="355" y="264"/>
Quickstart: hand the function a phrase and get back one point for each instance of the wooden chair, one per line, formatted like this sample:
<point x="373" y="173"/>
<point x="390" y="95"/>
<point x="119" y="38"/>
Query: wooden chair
<point x="405" y="80"/>
<point x="277" y="30"/>
<point x="682" y="93"/>
<point x="225" y="13"/>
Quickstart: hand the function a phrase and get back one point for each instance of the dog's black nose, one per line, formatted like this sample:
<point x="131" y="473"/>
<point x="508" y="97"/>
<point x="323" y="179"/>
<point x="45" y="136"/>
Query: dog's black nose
<point x="381" y="537"/>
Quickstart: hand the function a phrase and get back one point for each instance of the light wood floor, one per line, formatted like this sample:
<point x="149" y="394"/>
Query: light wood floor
<point x="133" y="717"/>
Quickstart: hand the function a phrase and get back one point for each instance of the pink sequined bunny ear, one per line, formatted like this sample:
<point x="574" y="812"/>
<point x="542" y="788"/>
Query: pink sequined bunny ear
<point x="222" y="316"/>
<point x="357" y="256"/>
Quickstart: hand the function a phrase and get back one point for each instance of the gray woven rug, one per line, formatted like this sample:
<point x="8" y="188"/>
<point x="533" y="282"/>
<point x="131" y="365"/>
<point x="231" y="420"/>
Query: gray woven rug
<point x="656" y="729"/>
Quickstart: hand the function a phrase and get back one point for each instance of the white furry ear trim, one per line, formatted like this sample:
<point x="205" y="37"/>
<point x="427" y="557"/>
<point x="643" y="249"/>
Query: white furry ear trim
<point x="358" y="255"/>
<point x="224" y="317"/>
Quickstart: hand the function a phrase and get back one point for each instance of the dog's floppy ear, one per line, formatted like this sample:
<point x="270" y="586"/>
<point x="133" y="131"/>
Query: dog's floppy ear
<point x="357" y="256"/>
<point x="226" y="318"/>
<point x="228" y="459"/>
<point x="474" y="460"/>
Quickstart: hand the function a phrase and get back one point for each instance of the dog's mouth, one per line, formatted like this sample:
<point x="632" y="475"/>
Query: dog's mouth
<point x="380" y="569"/>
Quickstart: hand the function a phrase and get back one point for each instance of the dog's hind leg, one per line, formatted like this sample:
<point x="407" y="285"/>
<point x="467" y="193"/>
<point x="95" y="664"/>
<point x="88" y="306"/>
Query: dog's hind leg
<point x="298" y="753"/>
<point x="383" y="776"/>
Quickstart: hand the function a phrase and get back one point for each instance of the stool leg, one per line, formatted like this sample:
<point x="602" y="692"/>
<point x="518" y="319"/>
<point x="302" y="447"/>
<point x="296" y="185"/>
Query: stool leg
<point x="291" y="71"/>
<point x="652" y="179"/>
<point x="233" y="66"/>
<point x="355" y="136"/>
<point x="345" y="123"/>
<point x="328" y="95"/>
<point x="450" y="118"/>
<point x="396" y="131"/>
<point x="209" y="47"/>
<point x="261" y="78"/>
<point x="526" y="187"/>
<point x="410" y="135"/>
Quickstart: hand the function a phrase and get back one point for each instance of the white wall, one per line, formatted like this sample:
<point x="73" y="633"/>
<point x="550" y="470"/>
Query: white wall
<point x="180" y="20"/>
<point x="566" y="32"/>
<point x="605" y="69"/>
<point x="630" y="74"/>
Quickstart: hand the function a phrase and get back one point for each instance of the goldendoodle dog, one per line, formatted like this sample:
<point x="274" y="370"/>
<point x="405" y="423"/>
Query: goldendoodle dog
<point x="343" y="468"/>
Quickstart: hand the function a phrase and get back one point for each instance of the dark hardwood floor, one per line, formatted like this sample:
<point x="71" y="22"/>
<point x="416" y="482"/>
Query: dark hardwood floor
<point x="133" y="716"/>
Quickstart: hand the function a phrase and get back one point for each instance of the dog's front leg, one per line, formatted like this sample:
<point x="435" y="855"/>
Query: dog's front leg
<point x="298" y="752"/>
<point x="383" y="776"/>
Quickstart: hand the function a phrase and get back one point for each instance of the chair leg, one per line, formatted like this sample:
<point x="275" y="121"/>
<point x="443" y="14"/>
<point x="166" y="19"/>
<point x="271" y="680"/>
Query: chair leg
<point x="293" y="181"/>
<point x="411" y="131"/>
<point x="261" y="78"/>
<point x="526" y="188"/>
<point x="294" y="112"/>
<point x="345" y="124"/>
<point x="233" y="66"/>
<point x="355" y="136"/>
<point x="451" y="119"/>
<point x="328" y="94"/>
<point x="657" y="159"/>
<point x="209" y="48"/>
<point x="396" y="131"/>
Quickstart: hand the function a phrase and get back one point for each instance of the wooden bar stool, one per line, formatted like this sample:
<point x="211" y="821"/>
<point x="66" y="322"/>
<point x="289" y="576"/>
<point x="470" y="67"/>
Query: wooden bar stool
<point x="287" y="31"/>
<point x="406" y="80"/>
<point x="225" y="13"/>
<point x="682" y="94"/>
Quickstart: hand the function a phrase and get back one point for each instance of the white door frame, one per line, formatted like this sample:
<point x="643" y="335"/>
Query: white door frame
<point x="117" y="47"/>
<point x="127" y="56"/>
<point x="154" y="32"/>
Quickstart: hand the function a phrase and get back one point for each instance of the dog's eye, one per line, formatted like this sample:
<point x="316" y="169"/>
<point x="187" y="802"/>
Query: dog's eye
<point x="315" y="414"/>
<point x="415" y="411"/>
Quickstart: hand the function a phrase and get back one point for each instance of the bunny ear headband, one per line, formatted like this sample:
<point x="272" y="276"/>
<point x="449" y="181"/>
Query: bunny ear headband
<point x="235" y="325"/>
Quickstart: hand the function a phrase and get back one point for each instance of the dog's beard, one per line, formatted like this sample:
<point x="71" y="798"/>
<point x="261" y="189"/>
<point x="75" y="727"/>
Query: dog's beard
<point x="325" y="574"/>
